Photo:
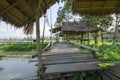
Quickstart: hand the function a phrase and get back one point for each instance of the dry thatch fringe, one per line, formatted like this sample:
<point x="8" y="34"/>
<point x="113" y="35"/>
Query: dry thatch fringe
<point x="28" y="29"/>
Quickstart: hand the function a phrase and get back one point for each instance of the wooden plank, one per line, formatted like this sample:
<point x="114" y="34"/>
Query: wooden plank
<point x="62" y="49"/>
<point x="72" y="57"/>
<point x="74" y="67"/>
<point x="116" y="69"/>
<point x="72" y="61"/>
<point x="112" y="77"/>
<point x="60" y="59"/>
<point x="63" y="54"/>
<point x="66" y="55"/>
<point x="104" y="77"/>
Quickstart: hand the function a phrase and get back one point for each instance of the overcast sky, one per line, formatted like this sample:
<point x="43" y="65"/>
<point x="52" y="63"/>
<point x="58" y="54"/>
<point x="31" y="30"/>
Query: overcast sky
<point x="7" y="31"/>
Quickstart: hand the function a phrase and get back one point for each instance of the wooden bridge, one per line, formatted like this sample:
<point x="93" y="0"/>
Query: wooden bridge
<point x="64" y="58"/>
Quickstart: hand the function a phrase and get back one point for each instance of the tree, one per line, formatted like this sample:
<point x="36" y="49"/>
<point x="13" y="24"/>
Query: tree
<point x="101" y="22"/>
<point x="64" y="13"/>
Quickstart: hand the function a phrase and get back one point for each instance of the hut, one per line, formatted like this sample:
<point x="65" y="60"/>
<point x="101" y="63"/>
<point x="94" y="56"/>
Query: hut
<point x="96" y="7"/>
<point x="23" y="13"/>
<point x="76" y="28"/>
<point x="109" y="36"/>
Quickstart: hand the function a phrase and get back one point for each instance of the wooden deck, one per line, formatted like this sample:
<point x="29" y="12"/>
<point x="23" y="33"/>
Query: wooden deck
<point x="64" y="58"/>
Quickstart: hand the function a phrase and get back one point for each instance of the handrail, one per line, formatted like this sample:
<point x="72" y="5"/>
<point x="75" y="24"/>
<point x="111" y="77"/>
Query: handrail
<point x="87" y="47"/>
<point x="93" y="50"/>
<point x="46" y="46"/>
<point x="35" y="55"/>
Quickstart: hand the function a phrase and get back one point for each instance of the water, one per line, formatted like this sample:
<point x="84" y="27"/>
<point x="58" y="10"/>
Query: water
<point x="17" y="69"/>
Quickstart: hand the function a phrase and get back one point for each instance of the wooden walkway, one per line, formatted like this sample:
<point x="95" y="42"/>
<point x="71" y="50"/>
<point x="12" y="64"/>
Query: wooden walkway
<point x="64" y="58"/>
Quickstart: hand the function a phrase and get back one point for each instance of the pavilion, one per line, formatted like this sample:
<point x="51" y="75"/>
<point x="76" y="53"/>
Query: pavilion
<point x="76" y="28"/>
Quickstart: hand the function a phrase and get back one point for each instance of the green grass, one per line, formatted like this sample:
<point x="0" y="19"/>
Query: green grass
<point x="111" y="52"/>
<point x="107" y="51"/>
<point x="19" y="46"/>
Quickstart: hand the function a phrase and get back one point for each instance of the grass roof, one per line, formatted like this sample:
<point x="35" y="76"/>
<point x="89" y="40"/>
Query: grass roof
<point x="21" y="13"/>
<point x="96" y="7"/>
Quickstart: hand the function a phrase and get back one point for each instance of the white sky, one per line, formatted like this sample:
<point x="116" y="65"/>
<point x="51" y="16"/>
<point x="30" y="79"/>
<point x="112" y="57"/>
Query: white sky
<point x="7" y="31"/>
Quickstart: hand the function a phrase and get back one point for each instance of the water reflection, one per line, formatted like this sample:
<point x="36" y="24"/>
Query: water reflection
<point x="18" y="69"/>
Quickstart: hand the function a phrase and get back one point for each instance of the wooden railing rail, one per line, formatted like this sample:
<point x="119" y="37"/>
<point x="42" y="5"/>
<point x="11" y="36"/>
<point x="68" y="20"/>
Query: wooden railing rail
<point x="93" y="50"/>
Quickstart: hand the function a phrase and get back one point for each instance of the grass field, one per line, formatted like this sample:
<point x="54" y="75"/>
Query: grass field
<point x="21" y="48"/>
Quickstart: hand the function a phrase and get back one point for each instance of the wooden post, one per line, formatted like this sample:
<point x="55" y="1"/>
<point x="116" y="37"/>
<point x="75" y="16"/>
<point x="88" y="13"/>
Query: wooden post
<point x="116" y="30"/>
<point x="93" y="53"/>
<point x="44" y="29"/>
<point x="51" y="29"/>
<point x="38" y="40"/>
<point x="102" y="36"/>
<point x="88" y="38"/>
<point x="81" y="37"/>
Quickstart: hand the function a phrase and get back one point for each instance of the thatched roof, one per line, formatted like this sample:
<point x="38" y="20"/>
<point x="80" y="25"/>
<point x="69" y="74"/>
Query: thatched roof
<point x="74" y="28"/>
<point x="22" y="12"/>
<point x="96" y="7"/>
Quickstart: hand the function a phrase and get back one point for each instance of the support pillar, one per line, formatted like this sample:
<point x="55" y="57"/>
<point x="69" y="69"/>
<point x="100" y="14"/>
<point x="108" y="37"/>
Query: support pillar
<point x="38" y="40"/>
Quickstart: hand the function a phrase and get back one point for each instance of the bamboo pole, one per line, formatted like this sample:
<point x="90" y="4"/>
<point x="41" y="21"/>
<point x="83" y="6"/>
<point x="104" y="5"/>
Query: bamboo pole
<point x="44" y="29"/>
<point x="51" y="28"/>
<point x="116" y="29"/>
<point x="38" y="39"/>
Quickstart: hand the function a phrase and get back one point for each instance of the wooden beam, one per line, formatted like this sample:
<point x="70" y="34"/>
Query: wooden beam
<point x="30" y="6"/>
<point x="87" y="47"/>
<point x="87" y="8"/>
<point x="91" y="5"/>
<point x="8" y="8"/>
<point x="103" y="6"/>
<point x="24" y="15"/>
<point x="13" y="17"/>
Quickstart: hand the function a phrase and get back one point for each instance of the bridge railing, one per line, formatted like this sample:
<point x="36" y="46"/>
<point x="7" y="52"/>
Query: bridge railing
<point x="93" y="50"/>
